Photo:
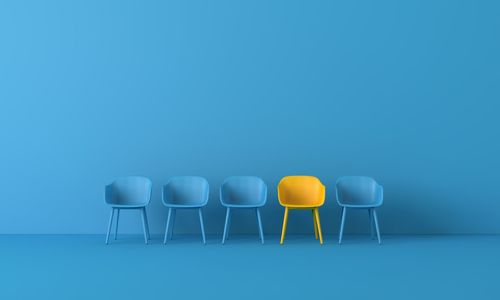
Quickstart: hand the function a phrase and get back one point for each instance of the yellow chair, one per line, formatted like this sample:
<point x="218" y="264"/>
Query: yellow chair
<point x="302" y="192"/>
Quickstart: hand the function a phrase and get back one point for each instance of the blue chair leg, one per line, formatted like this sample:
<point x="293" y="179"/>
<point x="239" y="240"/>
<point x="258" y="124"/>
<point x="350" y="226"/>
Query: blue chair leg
<point x="174" y="212"/>
<point x="376" y="225"/>
<point x="202" y="226"/>
<point x="117" y="219"/>
<point x="166" y="226"/>
<point x="143" y="214"/>
<point x="226" y="225"/>
<point x="110" y="224"/>
<point x="261" y="232"/>
<point x="344" y="211"/>
<point x="147" y="222"/>
<point x="370" y="216"/>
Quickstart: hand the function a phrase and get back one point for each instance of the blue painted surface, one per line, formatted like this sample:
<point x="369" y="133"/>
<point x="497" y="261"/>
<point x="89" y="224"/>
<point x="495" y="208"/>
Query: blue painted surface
<point x="412" y="267"/>
<point x="403" y="91"/>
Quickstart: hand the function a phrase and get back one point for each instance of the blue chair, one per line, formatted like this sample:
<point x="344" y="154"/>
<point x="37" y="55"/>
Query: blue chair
<point x="359" y="192"/>
<point x="184" y="192"/>
<point x="132" y="192"/>
<point x="241" y="192"/>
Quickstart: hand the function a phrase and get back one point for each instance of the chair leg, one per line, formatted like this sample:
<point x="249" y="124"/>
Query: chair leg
<point x="110" y="224"/>
<point x="174" y="212"/>
<point x="143" y="214"/>
<point x="166" y="226"/>
<point x="370" y="216"/>
<point x="316" y="214"/>
<point x="283" y="230"/>
<point x="344" y="212"/>
<point x="376" y="225"/>
<point x="116" y="226"/>
<point x="202" y="226"/>
<point x="226" y="229"/>
<point x="261" y="232"/>
<point x="315" y="225"/>
<point x="147" y="222"/>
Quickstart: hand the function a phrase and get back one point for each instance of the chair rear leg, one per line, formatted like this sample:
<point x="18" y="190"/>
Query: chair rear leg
<point x="259" y="221"/>
<point x="174" y="212"/>
<point x="344" y="212"/>
<point x="117" y="219"/>
<point x="370" y="216"/>
<point x="283" y="230"/>
<point x="110" y="224"/>
<point x="315" y="225"/>
<point x="202" y="226"/>
<point x="376" y="225"/>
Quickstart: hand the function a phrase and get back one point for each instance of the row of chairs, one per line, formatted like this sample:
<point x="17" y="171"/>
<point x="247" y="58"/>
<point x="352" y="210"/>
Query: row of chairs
<point x="243" y="192"/>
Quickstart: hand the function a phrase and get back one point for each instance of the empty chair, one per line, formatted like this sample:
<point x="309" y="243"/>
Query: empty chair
<point x="132" y="192"/>
<point x="243" y="192"/>
<point x="359" y="192"/>
<point x="302" y="192"/>
<point x="184" y="192"/>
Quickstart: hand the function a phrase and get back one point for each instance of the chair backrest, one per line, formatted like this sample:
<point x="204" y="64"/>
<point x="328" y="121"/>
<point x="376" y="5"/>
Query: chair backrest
<point x="243" y="191"/>
<point x="301" y="191"/>
<point x="186" y="190"/>
<point x="132" y="190"/>
<point x="358" y="190"/>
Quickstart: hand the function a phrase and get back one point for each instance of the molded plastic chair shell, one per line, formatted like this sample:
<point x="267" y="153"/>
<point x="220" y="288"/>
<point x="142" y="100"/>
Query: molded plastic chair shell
<point x="359" y="191"/>
<point x="129" y="192"/>
<point x="132" y="192"/>
<point x="186" y="191"/>
<point x="243" y="191"/>
<point x="301" y="192"/>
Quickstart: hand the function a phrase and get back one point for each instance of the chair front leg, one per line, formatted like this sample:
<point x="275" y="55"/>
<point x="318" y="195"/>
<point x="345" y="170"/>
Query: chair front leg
<point x="110" y="224"/>
<point x="147" y="223"/>
<point x="376" y="225"/>
<point x="166" y="226"/>
<point x="316" y="214"/>
<point x="283" y="230"/>
<point x="259" y="221"/>
<point x="202" y="226"/>
<point x="143" y="214"/>
<point x="226" y="225"/>
<point x="344" y="212"/>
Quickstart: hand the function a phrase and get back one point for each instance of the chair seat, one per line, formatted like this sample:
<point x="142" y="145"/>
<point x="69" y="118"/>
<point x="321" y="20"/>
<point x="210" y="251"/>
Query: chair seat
<point x="127" y="206"/>
<point x="242" y="205"/>
<point x="360" y="206"/>
<point x="183" y="206"/>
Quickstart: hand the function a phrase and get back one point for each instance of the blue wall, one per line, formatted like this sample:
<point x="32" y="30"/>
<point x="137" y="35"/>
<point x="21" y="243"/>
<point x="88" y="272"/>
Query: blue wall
<point x="405" y="91"/>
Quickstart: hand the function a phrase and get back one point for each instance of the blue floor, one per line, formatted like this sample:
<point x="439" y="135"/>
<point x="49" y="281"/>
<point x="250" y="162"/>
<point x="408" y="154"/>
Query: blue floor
<point x="403" y="267"/>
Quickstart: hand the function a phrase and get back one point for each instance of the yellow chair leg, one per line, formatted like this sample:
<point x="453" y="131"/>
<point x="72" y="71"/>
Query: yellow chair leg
<point x="315" y="225"/>
<point x="316" y="213"/>
<point x="283" y="231"/>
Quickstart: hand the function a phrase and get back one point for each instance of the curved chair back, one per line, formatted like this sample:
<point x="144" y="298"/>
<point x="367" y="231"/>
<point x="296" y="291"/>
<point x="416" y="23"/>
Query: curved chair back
<point x="243" y="191"/>
<point x="129" y="191"/>
<point x="189" y="191"/>
<point x="301" y="191"/>
<point x="358" y="191"/>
